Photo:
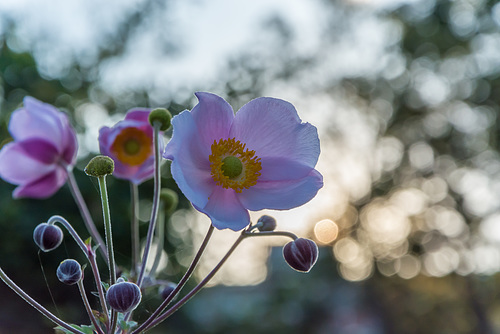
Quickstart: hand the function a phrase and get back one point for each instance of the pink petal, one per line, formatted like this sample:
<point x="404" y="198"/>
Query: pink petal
<point x="225" y="210"/>
<point x="282" y="195"/>
<point x="18" y="167"/>
<point x="273" y="128"/>
<point x="40" y="150"/>
<point x="190" y="165"/>
<point x="138" y="114"/>
<point x="213" y="117"/>
<point x="43" y="187"/>
<point x="38" y="120"/>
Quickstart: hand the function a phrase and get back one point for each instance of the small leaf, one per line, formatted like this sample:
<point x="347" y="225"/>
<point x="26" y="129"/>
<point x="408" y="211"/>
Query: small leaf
<point x="88" y="241"/>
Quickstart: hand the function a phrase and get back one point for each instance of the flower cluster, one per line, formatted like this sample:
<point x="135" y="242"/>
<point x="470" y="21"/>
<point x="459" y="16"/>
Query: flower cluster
<point x="225" y="163"/>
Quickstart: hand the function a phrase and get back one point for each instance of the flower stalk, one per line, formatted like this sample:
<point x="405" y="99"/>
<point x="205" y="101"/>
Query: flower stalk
<point x="88" y="308"/>
<point x="27" y="298"/>
<point x="85" y="213"/>
<point x="156" y="201"/>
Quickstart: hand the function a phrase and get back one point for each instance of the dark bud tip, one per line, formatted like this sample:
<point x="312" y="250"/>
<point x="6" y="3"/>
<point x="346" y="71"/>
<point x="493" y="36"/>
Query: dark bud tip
<point x="170" y="199"/>
<point x="266" y="223"/>
<point x="123" y="296"/>
<point x="301" y="254"/>
<point x="69" y="272"/>
<point x="100" y="165"/>
<point x="47" y="236"/>
<point x="167" y="290"/>
<point x="161" y="116"/>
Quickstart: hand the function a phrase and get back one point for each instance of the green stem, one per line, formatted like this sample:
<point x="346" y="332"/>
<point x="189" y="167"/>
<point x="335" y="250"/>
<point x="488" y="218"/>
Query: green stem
<point x="35" y="304"/>
<point x="134" y="228"/>
<point x="156" y="203"/>
<point x="181" y="283"/>
<point x="84" y="211"/>
<point x="107" y="229"/>
<point x="109" y="242"/>
<point x="88" y="308"/>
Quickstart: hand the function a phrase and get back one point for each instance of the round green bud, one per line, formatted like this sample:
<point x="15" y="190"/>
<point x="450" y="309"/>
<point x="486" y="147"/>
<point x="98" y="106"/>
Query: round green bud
<point x="170" y="199"/>
<point x="100" y="165"/>
<point x="162" y="116"/>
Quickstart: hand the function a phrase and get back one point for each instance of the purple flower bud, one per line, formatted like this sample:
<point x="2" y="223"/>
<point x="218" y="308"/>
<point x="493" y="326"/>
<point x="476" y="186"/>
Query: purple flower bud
<point x="167" y="290"/>
<point x="69" y="272"/>
<point x="123" y="296"/>
<point x="266" y="223"/>
<point x="301" y="254"/>
<point x="47" y="236"/>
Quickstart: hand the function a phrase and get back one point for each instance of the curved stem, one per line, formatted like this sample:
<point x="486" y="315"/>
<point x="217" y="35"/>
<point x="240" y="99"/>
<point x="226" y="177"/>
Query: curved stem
<point x="181" y="283"/>
<point x="89" y="254"/>
<point x="88" y="308"/>
<point x="197" y="288"/>
<point x="84" y="211"/>
<point x="156" y="203"/>
<point x="27" y="298"/>
<point x="272" y="233"/>
<point x="134" y="227"/>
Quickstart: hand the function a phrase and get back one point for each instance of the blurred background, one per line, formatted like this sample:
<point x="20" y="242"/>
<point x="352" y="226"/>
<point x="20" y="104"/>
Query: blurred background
<point x="405" y="95"/>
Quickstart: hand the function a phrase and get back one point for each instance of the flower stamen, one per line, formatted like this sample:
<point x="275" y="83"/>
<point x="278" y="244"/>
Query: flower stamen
<point x="132" y="146"/>
<point x="233" y="166"/>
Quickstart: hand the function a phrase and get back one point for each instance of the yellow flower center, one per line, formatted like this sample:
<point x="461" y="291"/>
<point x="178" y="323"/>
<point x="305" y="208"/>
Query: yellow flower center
<point x="132" y="146"/>
<point x="233" y="166"/>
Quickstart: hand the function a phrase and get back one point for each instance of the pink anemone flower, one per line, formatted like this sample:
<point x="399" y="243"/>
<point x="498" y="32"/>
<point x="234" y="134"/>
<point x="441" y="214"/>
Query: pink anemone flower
<point x="130" y="144"/>
<point x="261" y="158"/>
<point x="43" y="150"/>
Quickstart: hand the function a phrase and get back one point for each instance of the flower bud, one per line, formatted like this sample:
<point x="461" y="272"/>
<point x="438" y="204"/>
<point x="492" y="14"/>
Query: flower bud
<point x="167" y="290"/>
<point x="170" y="199"/>
<point x="266" y="223"/>
<point x="47" y="236"/>
<point x="69" y="272"/>
<point x="123" y="296"/>
<point x="162" y="116"/>
<point x="301" y="254"/>
<point x="100" y="165"/>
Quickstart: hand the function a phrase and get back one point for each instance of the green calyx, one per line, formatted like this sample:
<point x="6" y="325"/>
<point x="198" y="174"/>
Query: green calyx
<point x="231" y="167"/>
<point x="161" y="116"/>
<point x="100" y="165"/>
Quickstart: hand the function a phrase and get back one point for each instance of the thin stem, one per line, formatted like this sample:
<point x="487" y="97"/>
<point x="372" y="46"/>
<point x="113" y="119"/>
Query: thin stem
<point x="272" y="233"/>
<point x="181" y="283"/>
<point x="100" y="290"/>
<point x="134" y="227"/>
<point x="35" y="304"/>
<point x="160" y="236"/>
<point x="197" y="288"/>
<point x="84" y="211"/>
<point x="107" y="229"/>
<point x="88" y="308"/>
<point x="109" y="242"/>
<point x="156" y="203"/>
<point x="89" y="254"/>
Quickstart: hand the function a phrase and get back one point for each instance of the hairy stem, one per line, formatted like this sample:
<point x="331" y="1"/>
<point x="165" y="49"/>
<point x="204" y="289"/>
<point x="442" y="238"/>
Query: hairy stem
<point x="84" y="211"/>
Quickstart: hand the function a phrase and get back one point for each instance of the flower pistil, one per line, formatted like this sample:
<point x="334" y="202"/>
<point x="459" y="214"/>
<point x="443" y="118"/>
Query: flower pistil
<point x="233" y="166"/>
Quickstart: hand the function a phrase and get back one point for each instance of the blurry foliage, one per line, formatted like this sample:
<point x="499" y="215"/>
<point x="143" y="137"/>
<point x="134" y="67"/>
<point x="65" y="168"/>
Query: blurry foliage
<point x="435" y="101"/>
